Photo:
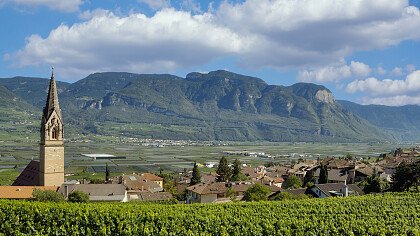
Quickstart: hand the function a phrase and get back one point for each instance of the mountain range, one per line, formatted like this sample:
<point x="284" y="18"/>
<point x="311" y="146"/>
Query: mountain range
<point x="218" y="105"/>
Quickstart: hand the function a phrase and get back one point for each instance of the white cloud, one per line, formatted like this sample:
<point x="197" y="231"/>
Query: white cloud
<point x="258" y="33"/>
<point x="168" y="40"/>
<point x="190" y="5"/>
<point x="399" y="100"/>
<point x="315" y="32"/>
<point x="156" y="4"/>
<point x="87" y="15"/>
<point x="388" y="87"/>
<point x="59" y="5"/>
<point x="335" y="73"/>
<point x="388" y="92"/>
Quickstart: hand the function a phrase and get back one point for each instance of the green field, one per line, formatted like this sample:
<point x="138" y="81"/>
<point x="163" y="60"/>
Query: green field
<point x="389" y="214"/>
<point x="152" y="158"/>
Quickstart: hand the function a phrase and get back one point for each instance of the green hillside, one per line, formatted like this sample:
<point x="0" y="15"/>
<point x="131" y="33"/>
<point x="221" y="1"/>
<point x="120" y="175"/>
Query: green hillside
<point x="389" y="214"/>
<point x="219" y="105"/>
<point x="18" y="118"/>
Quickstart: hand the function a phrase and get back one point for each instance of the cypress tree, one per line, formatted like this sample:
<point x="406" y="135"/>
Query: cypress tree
<point x="236" y="172"/>
<point x="223" y="171"/>
<point x="323" y="175"/>
<point x="107" y="173"/>
<point x="196" y="176"/>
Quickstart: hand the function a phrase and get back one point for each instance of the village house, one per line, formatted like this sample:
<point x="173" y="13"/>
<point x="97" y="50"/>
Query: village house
<point x="97" y="192"/>
<point x="334" y="176"/>
<point x="334" y="190"/>
<point x="138" y="183"/>
<point x="272" y="179"/>
<point x="152" y="177"/>
<point x="362" y="171"/>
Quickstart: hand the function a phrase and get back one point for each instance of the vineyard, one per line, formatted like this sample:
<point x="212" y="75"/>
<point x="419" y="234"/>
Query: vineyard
<point x="389" y="214"/>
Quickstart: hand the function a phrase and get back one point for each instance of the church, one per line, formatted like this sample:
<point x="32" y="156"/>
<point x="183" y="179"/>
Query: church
<point x="49" y="169"/>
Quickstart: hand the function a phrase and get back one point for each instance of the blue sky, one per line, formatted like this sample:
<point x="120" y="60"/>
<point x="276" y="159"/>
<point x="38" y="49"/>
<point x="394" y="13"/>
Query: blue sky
<point x="364" y="51"/>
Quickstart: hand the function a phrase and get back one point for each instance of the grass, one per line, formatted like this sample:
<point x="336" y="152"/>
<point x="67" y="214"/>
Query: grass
<point x="8" y="176"/>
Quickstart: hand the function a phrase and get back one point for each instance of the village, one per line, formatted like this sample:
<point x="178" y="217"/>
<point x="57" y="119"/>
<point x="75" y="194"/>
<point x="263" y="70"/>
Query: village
<point x="345" y="177"/>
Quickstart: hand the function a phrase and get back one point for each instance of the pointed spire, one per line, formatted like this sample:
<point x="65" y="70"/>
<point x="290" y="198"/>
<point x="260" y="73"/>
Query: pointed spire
<point x="52" y="98"/>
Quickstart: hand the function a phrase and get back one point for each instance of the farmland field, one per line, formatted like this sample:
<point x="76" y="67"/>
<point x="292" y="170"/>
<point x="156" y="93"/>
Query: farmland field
<point x="172" y="156"/>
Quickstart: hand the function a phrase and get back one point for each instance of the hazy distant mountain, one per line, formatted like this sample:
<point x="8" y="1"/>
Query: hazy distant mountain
<point x="219" y="105"/>
<point x="403" y="123"/>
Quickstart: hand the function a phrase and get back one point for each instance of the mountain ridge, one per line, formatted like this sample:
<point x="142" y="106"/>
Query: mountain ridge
<point x="218" y="105"/>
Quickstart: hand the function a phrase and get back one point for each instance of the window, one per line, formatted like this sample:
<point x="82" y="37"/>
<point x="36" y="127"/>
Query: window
<point x="54" y="133"/>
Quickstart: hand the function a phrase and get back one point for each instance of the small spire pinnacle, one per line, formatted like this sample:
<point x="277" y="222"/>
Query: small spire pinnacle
<point x="52" y="98"/>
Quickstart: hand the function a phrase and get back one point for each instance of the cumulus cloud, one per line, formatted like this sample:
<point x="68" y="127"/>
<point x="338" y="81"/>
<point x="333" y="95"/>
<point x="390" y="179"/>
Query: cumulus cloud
<point x="190" y="5"/>
<point x="59" y="5"/>
<point x="399" y="100"/>
<point x="168" y="40"/>
<point x="388" y="92"/>
<point x="388" y="87"/>
<point x="258" y="33"/>
<point x="335" y="73"/>
<point x="315" y="32"/>
<point x="87" y="15"/>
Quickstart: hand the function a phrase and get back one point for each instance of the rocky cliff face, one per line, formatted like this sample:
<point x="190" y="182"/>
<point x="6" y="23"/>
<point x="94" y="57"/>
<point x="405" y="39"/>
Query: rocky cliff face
<point x="324" y="96"/>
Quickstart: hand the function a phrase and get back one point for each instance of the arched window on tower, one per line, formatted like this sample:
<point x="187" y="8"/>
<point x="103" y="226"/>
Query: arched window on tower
<point x="55" y="133"/>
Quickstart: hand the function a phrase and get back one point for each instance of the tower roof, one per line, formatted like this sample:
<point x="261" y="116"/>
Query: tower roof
<point x="52" y="99"/>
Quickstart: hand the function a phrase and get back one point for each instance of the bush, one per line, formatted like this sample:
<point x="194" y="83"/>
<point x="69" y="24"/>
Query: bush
<point x="78" y="196"/>
<point x="256" y="193"/>
<point x="285" y="196"/>
<point x="47" y="196"/>
<point x="292" y="182"/>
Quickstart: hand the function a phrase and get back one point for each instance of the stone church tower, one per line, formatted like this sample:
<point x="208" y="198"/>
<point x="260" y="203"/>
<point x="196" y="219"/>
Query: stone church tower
<point x="51" y="165"/>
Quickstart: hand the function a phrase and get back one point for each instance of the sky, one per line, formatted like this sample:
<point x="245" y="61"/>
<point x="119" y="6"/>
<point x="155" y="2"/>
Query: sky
<point x="362" y="50"/>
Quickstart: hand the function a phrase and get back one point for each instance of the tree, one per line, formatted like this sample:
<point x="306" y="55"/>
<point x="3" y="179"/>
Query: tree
<point x="223" y="171"/>
<point x="323" y="175"/>
<point x="256" y="193"/>
<point x="196" y="176"/>
<point x="231" y="194"/>
<point x="107" y="173"/>
<point x="309" y="179"/>
<point x="406" y="176"/>
<point x="348" y="157"/>
<point x="78" y="196"/>
<point x="371" y="184"/>
<point x="96" y="181"/>
<point x="236" y="172"/>
<point x="292" y="182"/>
<point x="47" y="196"/>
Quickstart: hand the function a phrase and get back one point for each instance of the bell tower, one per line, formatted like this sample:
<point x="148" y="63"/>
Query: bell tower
<point x="51" y="169"/>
